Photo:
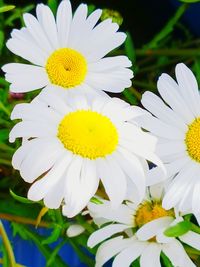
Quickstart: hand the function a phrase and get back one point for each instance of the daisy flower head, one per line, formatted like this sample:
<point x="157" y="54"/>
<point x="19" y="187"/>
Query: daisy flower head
<point x="70" y="143"/>
<point x="68" y="52"/>
<point x="176" y="123"/>
<point x="139" y="233"/>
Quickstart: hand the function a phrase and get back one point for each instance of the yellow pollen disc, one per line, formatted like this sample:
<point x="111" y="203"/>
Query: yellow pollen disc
<point x="88" y="134"/>
<point x="150" y="211"/>
<point x="192" y="140"/>
<point x="66" y="67"/>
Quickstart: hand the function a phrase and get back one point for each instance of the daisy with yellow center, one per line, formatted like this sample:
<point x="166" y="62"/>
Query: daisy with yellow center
<point x="72" y="143"/>
<point x="67" y="52"/>
<point x="139" y="233"/>
<point x="176" y="124"/>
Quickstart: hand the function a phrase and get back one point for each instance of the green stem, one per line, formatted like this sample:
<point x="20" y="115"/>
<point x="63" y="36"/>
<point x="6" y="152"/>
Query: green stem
<point x="7" y="245"/>
<point x="4" y="109"/>
<point x="168" y="52"/>
<point x="195" y="228"/>
<point x="168" y="27"/>
<point x="144" y="85"/>
<point x="5" y="162"/>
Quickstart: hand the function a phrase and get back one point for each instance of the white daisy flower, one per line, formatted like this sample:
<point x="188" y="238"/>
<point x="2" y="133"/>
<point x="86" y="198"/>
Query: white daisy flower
<point x="77" y="142"/>
<point x="67" y="52"/>
<point x="140" y="230"/>
<point x="176" y="123"/>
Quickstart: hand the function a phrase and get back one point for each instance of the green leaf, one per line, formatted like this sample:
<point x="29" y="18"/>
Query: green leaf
<point x="166" y="261"/>
<point x="6" y="8"/>
<point x="2" y="37"/>
<point x="189" y="1"/>
<point x="4" y="133"/>
<point x="21" y="199"/>
<point x="130" y="97"/>
<point x="179" y="229"/>
<point x="54" y="253"/>
<point x="96" y="200"/>
<point x="54" y="236"/>
<point x="53" y="4"/>
<point x="129" y="47"/>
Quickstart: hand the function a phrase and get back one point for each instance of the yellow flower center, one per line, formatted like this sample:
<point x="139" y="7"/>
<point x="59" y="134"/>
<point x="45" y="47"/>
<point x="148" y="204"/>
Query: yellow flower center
<point x="192" y="140"/>
<point x="88" y="134"/>
<point x="66" y="67"/>
<point x="150" y="211"/>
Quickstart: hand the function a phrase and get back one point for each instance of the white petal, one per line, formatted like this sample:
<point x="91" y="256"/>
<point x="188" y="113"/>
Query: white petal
<point x="110" y="248"/>
<point x="192" y="239"/>
<point x="188" y="88"/>
<point x="112" y="81"/>
<point x="47" y="22"/>
<point x="128" y="255"/>
<point x="37" y="33"/>
<point x="159" y="128"/>
<point x="75" y="230"/>
<point x="41" y="187"/>
<point x="22" y="43"/>
<point x="159" y="109"/>
<point x="132" y="166"/>
<point x="179" y="185"/>
<point x="177" y="255"/>
<point x="109" y="63"/>
<point x="82" y="183"/>
<point x="31" y="129"/>
<point x="113" y="179"/>
<point x="25" y="78"/>
<point x="151" y="256"/>
<point x="170" y="92"/>
<point x="35" y="112"/>
<point x="123" y="214"/>
<point x="104" y="233"/>
<point x="40" y="159"/>
<point x="63" y="21"/>
<point x="196" y="197"/>
<point x="155" y="176"/>
<point x="150" y="229"/>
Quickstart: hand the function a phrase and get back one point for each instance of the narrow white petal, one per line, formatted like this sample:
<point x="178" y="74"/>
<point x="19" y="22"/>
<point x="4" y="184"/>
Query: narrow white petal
<point x="113" y="179"/>
<point x="177" y="255"/>
<point x="188" y="88"/>
<point x="75" y="230"/>
<point x="41" y="187"/>
<point x="192" y="239"/>
<point x="63" y="21"/>
<point x="48" y="24"/>
<point x="159" y="109"/>
<point x="128" y="255"/>
<point x="104" y="233"/>
<point x="30" y="129"/>
<point x="151" y="256"/>
<point x="150" y="229"/>
<point x="170" y="92"/>
<point x="110" y="248"/>
<point x="84" y="185"/>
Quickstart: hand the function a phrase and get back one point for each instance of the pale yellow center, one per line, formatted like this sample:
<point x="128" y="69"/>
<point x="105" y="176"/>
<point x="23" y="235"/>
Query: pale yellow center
<point x="149" y="211"/>
<point x="88" y="134"/>
<point x="192" y="140"/>
<point x="66" y="67"/>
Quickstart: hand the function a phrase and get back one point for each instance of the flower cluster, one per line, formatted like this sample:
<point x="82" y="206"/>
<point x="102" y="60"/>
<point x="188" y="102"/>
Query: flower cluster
<point x="78" y="142"/>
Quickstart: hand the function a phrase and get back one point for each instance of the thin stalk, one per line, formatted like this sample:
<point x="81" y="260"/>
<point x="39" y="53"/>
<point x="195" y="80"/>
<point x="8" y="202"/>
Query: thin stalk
<point x="4" y="109"/>
<point x="22" y="220"/>
<point x="7" y="245"/>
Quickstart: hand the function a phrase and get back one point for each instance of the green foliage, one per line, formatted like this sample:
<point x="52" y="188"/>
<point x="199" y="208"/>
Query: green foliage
<point x="190" y="1"/>
<point x="149" y="60"/>
<point x="6" y="8"/>
<point x="179" y="229"/>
